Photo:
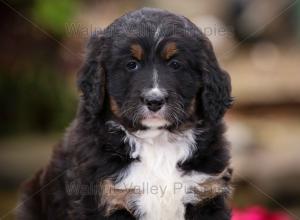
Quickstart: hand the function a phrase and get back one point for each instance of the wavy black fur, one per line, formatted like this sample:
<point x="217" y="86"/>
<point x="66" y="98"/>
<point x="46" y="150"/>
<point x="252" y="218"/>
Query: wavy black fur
<point x="90" y="152"/>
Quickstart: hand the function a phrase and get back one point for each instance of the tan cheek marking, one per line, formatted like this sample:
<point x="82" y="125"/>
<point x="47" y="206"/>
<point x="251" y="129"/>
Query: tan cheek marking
<point x="191" y="110"/>
<point x="169" y="50"/>
<point x="137" y="51"/>
<point x="114" y="106"/>
<point x="114" y="199"/>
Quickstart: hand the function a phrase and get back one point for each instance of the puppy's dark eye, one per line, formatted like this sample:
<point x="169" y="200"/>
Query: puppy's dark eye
<point x="174" y="64"/>
<point x="132" y="65"/>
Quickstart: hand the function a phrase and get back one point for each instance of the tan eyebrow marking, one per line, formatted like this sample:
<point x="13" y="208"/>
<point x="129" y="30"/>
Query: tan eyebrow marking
<point x="169" y="50"/>
<point x="137" y="51"/>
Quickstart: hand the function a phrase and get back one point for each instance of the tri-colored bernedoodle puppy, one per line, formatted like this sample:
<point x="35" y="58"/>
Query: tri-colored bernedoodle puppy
<point x="148" y="138"/>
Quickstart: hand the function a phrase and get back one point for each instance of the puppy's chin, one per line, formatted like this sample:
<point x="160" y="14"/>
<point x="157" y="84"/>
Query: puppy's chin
<point x="155" y="122"/>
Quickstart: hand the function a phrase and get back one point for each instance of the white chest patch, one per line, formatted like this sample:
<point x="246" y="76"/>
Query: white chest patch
<point x="163" y="187"/>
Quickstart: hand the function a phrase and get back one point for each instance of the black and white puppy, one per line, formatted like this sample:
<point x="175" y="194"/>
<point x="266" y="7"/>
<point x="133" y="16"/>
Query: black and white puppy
<point x="147" y="142"/>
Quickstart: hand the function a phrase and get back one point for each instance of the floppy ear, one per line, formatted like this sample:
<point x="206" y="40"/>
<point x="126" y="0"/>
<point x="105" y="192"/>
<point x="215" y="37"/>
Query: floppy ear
<point x="215" y="94"/>
<point x="91" y="79"/>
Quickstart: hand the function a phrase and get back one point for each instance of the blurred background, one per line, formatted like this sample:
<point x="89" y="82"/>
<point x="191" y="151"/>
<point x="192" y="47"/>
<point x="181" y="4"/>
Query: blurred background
<point x="42" y="45"/>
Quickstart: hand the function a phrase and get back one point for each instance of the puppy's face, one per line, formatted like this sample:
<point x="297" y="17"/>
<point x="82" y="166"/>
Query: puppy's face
<point x="154" y="84"/>
<point x="154" y="69"/>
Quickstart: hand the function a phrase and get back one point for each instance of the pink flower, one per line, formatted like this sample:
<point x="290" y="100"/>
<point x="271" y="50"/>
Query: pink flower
<point x="258" y="213"/>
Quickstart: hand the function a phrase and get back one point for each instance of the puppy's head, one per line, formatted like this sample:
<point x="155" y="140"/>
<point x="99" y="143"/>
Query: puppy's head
<point x="151" y="68"/>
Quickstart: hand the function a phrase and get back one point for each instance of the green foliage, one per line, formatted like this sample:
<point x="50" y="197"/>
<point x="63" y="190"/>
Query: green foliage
<point x="298" y="18"/>
<point x="34" y="97"/>
<point x="53" y="14"/>
<point x="39" y="101"/>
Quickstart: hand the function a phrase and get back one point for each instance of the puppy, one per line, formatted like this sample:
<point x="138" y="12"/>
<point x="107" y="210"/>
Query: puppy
<point x="148" y="138"/>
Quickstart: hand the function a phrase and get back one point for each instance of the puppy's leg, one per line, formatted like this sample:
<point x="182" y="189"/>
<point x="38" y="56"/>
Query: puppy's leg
<point x="113" y="199"/>
<point x="211" y="187"/>
<point x="210" y="198"/>
<point x="214" y="186"/>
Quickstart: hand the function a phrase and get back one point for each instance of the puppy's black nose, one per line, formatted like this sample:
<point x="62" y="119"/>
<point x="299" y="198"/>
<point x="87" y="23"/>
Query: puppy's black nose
<point x="154" y="103"/>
